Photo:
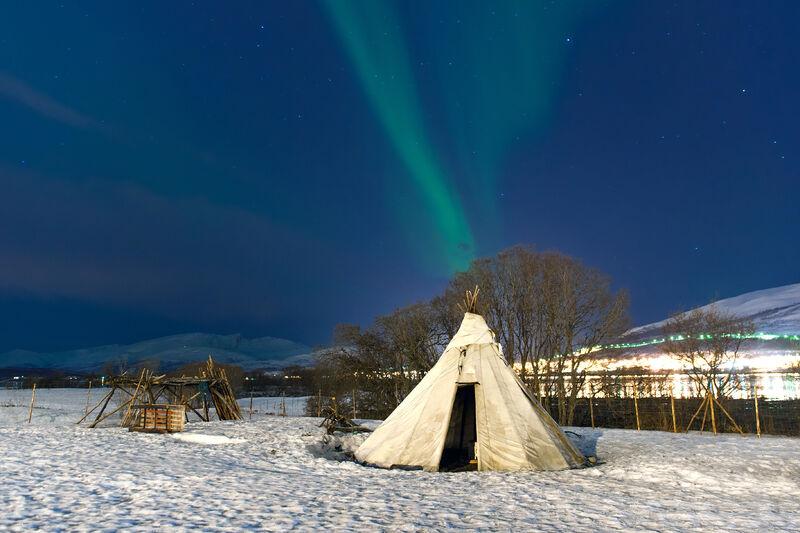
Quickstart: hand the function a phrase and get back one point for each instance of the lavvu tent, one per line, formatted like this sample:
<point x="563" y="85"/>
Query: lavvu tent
<point x="470" y="411"/>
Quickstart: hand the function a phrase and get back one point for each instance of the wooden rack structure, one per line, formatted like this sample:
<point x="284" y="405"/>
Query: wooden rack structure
<point x="198" y="394"/>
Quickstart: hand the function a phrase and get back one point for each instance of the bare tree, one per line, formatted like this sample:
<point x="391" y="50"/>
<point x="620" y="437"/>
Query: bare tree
<point x="581" y="313"/>
<point x="511" y="303"/>
<point x="548" y="312"/>
<point x="385" y="361"/>
<point x="414" y="335"/>
<point x="707" y="341"/>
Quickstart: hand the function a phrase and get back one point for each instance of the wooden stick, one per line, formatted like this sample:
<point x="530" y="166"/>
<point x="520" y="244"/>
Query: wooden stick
<point x="161" y="391"/>
<point x="149" y="386"/>
<point x="713" y="418"/>
<point x="758" y="421"/>
<point x="251" y="404"/>
<point x="126" y="391"/>
<point x="591" y="412"/>
<point x="705" y="413"/>
<point x="689" y="425"/>
<point x="94" y="424"/>
<point x="319" y="403"/>
<point x="197" y="413"/>
<point x="636" y="407"/>
<point x="100" y="413"/>
<point x="672" y="405"/>
<point x="33" y="399"/>
<point x="130" y="404"/>
<point x="195" y="395"/>
<point x="95" y="407"/>
<point x="728" y="415"/>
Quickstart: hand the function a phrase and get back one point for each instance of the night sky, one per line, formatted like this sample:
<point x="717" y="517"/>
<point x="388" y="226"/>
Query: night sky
<point x="274" y="168"/>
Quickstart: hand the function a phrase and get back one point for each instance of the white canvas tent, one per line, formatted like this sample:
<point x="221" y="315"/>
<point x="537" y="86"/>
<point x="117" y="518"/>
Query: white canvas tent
<point x="470" y="411"/>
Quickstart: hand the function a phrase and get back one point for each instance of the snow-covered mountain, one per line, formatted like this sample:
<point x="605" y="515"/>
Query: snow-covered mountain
<point x="170" y="352"/>
<point x="774" y="347"/>
<point x="773" y="311"/>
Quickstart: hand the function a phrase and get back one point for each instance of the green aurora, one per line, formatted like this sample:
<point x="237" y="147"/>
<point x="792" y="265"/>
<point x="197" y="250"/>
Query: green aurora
<point x="495" y="72"/>
<point x="376" y="46"/>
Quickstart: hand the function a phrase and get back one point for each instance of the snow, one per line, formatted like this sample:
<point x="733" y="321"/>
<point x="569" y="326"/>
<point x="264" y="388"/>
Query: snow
<point x="53" y="407"/>
<point x="275" y="405"/>
<point x="64" y="407"/>
<point x="276" y="473"/>
<point x="200" y="438"/>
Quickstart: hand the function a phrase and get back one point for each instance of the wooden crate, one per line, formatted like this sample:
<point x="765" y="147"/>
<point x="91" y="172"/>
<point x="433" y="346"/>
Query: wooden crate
<point x="158" y="418"/>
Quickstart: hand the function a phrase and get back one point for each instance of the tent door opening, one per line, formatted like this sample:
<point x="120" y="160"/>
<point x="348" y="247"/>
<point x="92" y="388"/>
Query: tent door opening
<point x="462" y="435"/>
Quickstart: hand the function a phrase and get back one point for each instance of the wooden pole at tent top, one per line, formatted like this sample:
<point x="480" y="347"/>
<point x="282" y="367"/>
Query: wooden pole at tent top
<point x="758" y="420"/>
<point x="33" y="399"/>
<point x="470" y="301"/>
<point x="672" y="405"/>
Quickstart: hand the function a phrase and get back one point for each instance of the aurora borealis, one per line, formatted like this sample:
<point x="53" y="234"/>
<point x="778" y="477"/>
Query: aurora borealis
<point x="369" y="31"/>
<point x="278" y="168"/>
<point x="492" y="84"/>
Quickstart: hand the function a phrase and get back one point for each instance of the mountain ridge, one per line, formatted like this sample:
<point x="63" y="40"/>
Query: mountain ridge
<point x="172" y="351"/>
<point x="774" y="311"/>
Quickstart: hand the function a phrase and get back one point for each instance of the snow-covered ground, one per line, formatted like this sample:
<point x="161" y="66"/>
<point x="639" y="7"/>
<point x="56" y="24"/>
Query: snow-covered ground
<point x="52" y="407"/>
<point x="272" y="405"/>
<point x="64" y="407"/>
<point x="275" y="473"/>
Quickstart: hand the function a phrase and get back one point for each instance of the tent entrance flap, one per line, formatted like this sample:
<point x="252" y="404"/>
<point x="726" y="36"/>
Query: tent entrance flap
<point x="462" y="434"/>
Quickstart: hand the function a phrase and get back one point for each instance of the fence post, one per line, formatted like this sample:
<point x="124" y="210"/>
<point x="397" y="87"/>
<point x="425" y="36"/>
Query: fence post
<point x="672" y="405"/>
<point x="591" y="411"/>
<point x="636" y="407"/>
<point x="758" y="421"/>
<point x="251" y="403"/>
<point x="33" y="399"/>
<point x="88" y="397"/>
<point x="319" y="403"/>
